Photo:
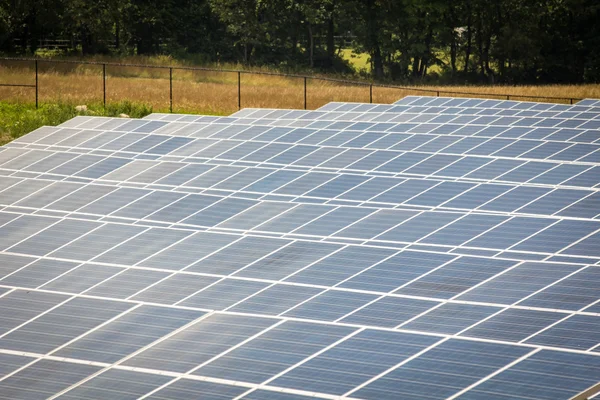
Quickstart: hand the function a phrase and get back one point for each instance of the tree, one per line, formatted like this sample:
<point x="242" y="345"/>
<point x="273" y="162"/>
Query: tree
<point x="507" y="41"/>
<point x="243" y="19"/>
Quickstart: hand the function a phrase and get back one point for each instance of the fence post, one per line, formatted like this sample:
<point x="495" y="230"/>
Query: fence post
<point x="239" y="90"/>
<point x="305" y="93"/>
<point x="104" y="84"/>
<point x="171" y="89"/>
<point x="571" y="100"/>
<point x="37" y="86"/>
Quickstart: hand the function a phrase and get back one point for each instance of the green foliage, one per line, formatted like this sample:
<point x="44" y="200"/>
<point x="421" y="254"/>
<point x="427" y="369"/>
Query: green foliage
<point x="503" y="41"/>
<point x="17" y="119"/>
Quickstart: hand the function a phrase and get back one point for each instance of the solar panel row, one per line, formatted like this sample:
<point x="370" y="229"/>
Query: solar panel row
<point x="142" y="260"/>
<point x="534" y="237"/>
<point x="491" y="103"/>
<point x="310" y="186"/>
<point x="413" y="122"/>
<point x="371" y="151"/>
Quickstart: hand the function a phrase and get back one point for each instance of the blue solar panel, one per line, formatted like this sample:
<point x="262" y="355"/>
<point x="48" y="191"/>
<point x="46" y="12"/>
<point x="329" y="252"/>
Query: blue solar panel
<point x="435" y="248"/>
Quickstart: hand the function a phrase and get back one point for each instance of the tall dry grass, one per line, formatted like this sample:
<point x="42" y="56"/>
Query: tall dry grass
<point x="217" y="92"/>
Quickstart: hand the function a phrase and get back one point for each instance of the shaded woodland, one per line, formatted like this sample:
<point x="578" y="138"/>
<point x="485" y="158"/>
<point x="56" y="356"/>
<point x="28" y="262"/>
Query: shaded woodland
<point x="474" y="41"/>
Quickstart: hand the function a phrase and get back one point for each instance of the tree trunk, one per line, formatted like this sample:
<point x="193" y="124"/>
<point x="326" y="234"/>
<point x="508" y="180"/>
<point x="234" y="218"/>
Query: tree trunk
<point x="453" y="48"/>
<point x="502" y="54"/>
<point x="486" y="56"/>
<point x="330" y="41"/>
<point x="311" y="45"/>
<point x="451" y="18"/>
<point x="426" y="55"/>
<point x="24" y="39"/>
<point x="34" y="37"/>
<point x="117" y="34"/>
<point x="377" y="62"/>
<point x="144" y="42"/>
<point x="469" y="42"/>
<point x="416" y="66"/>
<point x="404" y="56"/>
<point x="479" y="40"/>
<point x="294" y="40"/>
<point x="86" y="41"/>
<point x="373" y="39"/>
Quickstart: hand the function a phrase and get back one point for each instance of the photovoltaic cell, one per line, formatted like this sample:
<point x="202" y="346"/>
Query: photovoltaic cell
<point x="457" y="366"/>
<point x="438" y="247"/>
<point x="44" y="378"/>
<point x="346" y="365"/>
<point x="556" y="375"/>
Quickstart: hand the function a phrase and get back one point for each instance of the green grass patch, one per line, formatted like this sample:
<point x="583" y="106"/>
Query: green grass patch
<point x="18" y="119"/>
<point x="360" y="61"/>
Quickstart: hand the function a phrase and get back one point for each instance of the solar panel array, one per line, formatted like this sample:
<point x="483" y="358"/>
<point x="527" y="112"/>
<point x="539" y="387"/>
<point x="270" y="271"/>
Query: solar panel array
<point x="433" y="248"/>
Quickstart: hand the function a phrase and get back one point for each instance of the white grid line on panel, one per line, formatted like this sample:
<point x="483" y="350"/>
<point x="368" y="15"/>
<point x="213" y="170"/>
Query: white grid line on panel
<point x="431" y="176"/>
<point x="464" y="245"/>
<point x="109" y="366"/>
<point x="318" y="353"/>
<point x="435" y="135"/>
<point x="350" y="325"/>
<point x="285" y="277"/>
<point x="238" y="231"/>
<point x="387" y="371"/>
<point x="439" y="152"/>
<point x="493" y="374"/>
<point x="231" y="274"/>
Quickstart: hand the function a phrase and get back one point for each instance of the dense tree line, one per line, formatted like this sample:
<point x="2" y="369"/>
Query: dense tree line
<point x="506" y="41"/>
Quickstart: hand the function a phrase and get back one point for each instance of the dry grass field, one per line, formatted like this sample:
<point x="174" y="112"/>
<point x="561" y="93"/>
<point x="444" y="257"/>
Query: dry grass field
<point x="216" y="92"/>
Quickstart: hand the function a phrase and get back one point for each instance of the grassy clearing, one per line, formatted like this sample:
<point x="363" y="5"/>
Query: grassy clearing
<point x="216" y="92"/>
<point x="164" y="61"/>
<point x="17" y="119"/>
<point x="137" y="91"/>
<point x="359" y="61"/>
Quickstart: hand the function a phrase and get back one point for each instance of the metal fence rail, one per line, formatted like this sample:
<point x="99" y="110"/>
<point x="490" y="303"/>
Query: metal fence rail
<point x="304" y="78"/>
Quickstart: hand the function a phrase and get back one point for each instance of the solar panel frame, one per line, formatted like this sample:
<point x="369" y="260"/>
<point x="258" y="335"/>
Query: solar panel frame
<point x="279" y="256"/>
